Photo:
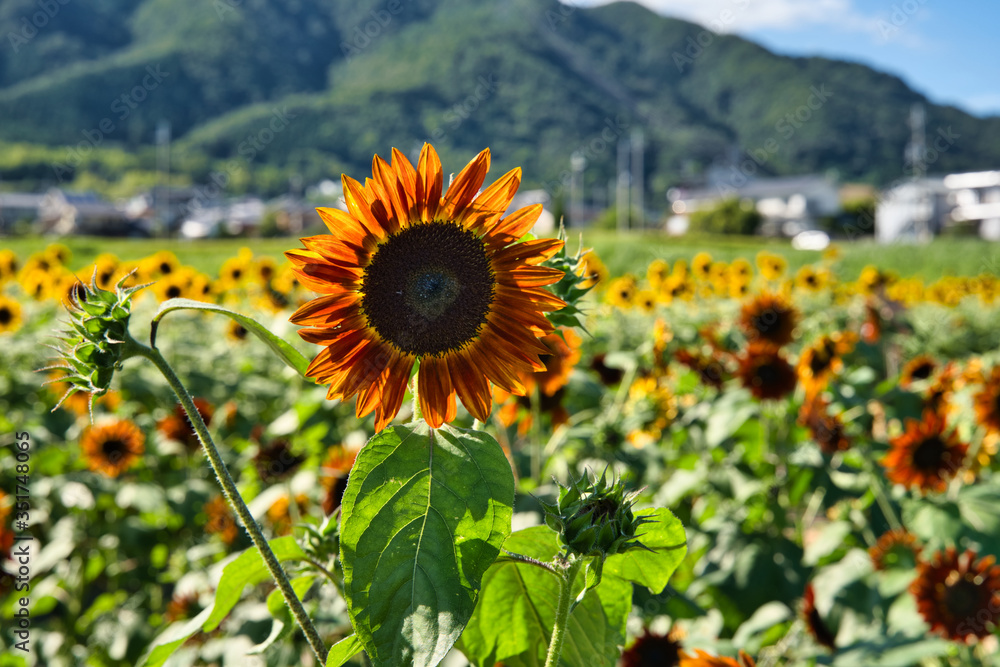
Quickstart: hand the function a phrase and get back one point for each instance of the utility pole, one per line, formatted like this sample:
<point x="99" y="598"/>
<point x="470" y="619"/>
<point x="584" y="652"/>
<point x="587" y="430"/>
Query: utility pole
<point x="577" y="163"/>
<point x="161" y="195"/>
<point x="638" y="208"/>
<point x="622" y="191"/>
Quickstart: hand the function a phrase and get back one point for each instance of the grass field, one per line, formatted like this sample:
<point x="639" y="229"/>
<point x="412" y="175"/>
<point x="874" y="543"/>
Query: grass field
<point x="621" y="252"/>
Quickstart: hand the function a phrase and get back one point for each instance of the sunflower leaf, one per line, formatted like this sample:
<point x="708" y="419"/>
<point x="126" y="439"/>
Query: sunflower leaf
<point x="513" y="620"/>
<point x="279" y="346"/>
<point x="666" y="546"/>
<point x="424" y="515"/>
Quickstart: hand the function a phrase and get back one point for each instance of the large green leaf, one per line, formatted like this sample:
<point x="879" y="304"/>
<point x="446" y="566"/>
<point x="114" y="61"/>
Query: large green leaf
<point x="283" y="349"/>
<point x="517" y="607"/>
<point x="424" y="515"/>
<point x="247" y="568"/>
<point x="652" y="569"/>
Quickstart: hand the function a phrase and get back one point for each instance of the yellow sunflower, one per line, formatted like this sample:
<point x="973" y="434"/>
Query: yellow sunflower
<point x="657" y="272"/>
<point x="10" y="314"/>
<point x="8" y="265"/>
<point x="162" y="263"/>
<point x="112" y="448"/>
<point x="771" y="266"/>
<point x="414" y="273"/>
<point x="594" y="270"/>
<point x="621" y="292"/>
<point x="701" y="266"/>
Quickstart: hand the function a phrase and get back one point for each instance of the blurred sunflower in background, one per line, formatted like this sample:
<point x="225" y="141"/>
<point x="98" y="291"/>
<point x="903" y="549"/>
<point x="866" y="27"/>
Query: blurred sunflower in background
<point x="410" y="273"/>
<point x="769" y="317"/>
<point x="958" y="595"/>
<point x="112" y="448"/>
<point x="771" y="266"/>
<point x="925" y="456"/>
<point x="822" y="359"/>
<point x="895" y="549"/>
<point x="918" y="369"/>
<point x="621" y="292"/>
<point x="10" y="314"/>
<point x="701" y="266"/>
<point x="764" y="370"/>
<point x="987" y="402"/>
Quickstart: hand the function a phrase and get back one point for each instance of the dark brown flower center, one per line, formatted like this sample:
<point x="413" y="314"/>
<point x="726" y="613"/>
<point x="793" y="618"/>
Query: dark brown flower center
<point x="173" y="292"/>
<point x="929" y="454"/>
<point x="166" y="267"/>
<point x="429" y="288"/>
<point x="114" y="449"/>
<point x="922" y="371"/>
<point x="965" y="598"/>
<point x="6" y="317"/>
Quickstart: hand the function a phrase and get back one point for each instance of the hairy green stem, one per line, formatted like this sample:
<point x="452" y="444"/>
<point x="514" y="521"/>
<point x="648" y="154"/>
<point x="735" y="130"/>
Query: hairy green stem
<point x="566" y="580"/>
<point x="134" y="348"/>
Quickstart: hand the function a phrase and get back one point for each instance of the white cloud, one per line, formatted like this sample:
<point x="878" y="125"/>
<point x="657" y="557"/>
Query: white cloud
<point x="747" y="15"/>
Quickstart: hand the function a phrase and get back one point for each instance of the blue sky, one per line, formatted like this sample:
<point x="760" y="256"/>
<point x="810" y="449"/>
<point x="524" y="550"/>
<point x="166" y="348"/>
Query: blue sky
<point x="949" y="51"/>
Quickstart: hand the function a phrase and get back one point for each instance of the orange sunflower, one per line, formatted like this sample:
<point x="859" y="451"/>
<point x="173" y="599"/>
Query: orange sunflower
<point x="409" y="274"/>
<point x="919" y="368"/>
<point x="814" y="622"/>
<point x="924" y="456"/>
<point x="958" y="595"/>
<point x="988" y="402"/>
<point x="703" y="659"/>
<point x="220" y="520"/>
<point x="176" y="426"/>
<point x="822" y="360"/>
<point x="895" y="549"/>
<point x="827" y="430"/>
<point x="652" y="650"/>
<point x="765" y="371"/>
<point x="112" y="448"/>
<point x="769" y="317"/>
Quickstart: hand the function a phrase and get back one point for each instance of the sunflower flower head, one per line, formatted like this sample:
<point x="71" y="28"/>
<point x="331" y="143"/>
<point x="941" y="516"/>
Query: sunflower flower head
<point x="594" y="517"/>
<point x="93" y="345"/>
<point x="652" y="650"/>
<point x="958" y="594"/>
<point x="413" y="273"/>
<point x="112" y="448"/>
<point x="925" y="456"/>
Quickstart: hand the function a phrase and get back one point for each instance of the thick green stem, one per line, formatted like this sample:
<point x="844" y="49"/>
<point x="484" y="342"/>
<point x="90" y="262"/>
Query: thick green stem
<point x="562" y="613"/>
<point x="134" y="348"/>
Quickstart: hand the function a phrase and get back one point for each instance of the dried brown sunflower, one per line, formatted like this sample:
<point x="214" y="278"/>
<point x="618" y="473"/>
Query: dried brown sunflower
<point x="895" y="549"/>
<point x="652" y="650"/>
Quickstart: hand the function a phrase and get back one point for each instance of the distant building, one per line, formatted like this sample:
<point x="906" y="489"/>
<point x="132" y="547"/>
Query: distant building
<point x="914" y="210"/>
<point x="65" y="213"/>
<point x="546" y="224"/>
<point x="788" y="204"/>
<point x="919" y="209"/>
<point x="976" y="197"/>
<point x="18" y="207"/>
<point x="234" y="218"/>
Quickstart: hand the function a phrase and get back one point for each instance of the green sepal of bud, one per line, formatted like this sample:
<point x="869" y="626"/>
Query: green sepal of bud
<point x="595" y="518"/>
<point x="94" y="340"/>
<point x="569" y="286"/>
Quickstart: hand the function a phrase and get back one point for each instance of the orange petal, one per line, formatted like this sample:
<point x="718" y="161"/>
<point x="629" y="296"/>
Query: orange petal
<point x="389" y="191"/>
<point x="528" y="252"/>
<point x="342" y="225"/>
<point x="397" y="376"/>
<point x="466" y="185"/>
<point x="406" y="173"/>
<point x="517" y="224"/>
<point x="434" y="391"/>
<point x="471" y="385"/>
<point x="492" y="202"/>
<point x="429" y="183"/>
<point x="359" y="205"/>
<point x="325" y="309"/>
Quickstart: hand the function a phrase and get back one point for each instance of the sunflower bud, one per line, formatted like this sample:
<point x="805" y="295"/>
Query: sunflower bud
<point x="595" y="518"/>
<point x="93" y="343"/>
<point x="571" y="287"/>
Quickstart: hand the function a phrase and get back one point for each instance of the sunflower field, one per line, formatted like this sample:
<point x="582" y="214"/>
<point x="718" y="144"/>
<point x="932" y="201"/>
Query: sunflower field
<point x="821" y="448"/>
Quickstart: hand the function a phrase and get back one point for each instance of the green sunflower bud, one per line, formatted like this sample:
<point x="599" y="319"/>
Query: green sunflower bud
<point x="93" y="344"/>
<point x="570" y="287"/>
<point x="595" y="518"/>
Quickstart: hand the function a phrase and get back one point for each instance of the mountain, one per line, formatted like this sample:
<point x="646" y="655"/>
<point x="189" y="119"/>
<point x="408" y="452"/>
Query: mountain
<point x="258" y="91"/>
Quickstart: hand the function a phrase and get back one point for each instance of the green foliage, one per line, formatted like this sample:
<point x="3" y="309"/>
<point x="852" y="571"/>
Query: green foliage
<point x="424" y="515"/>
<point x="347" y="95"/>
<point x="513" y="620"/>
<point x="730" y="216"/>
